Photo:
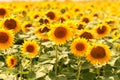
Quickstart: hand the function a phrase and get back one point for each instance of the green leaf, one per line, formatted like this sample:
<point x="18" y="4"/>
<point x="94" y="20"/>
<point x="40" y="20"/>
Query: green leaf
<point x="116" y="77"/>
<point x="2" y="58"/>
<point x="31" y="75"/>
<point x="86" y="75"/>
<point x="117" y="63"/>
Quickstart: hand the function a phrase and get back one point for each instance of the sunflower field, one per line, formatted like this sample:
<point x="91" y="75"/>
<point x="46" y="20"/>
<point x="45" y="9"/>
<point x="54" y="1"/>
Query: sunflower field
<point x="60" y="40"/>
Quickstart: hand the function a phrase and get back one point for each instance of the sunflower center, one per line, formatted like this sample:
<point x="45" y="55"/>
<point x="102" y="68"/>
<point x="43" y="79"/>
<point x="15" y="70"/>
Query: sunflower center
<point x="41" y="21"/>
<point x="80" y="46"/>
<point x="87" y="35"/>
<point x="101" y="30"/>
<point x="10" y="24"/>
<point x="46" y="21"/>
<point x="45" y="29"/>
<point x="2" y="11"/>
<point x="86" y="20"/>
<point x="62" y="19"/>
<point x="98" y="52"/>
<point x="12" y="61"/>
<point x="36" y="16"/>
<point x="3" y="37"/>
<point x="28" y="25"/>
<point x="60" y="32"/>
<point x="51" y="15"/>
<point x="80" y="26"/>
<point x="30" y="48"/>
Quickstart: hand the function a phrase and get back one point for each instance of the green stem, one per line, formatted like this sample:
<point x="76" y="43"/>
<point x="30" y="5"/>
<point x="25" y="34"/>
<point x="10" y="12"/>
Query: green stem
<point x="56" y="62"/>
<point x="79" y="68"/>
<point x="31" y="65"/>
<point x="20" y="69"/>
<point x="40" y="47"/>
<point x="98" y="72"/>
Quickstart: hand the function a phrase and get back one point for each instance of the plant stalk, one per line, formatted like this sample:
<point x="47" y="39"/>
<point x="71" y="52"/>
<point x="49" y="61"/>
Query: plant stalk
<point x="79" y="68"/>
<point x="56" y="62"/>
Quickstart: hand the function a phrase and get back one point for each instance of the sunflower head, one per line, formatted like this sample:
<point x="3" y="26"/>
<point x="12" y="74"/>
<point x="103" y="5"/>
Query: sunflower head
<point x="11" y="24"/>
<point x="79" y="46"/>
<point x="11" y="61"/>
<point x="87" y="34"/>
<point x="3" y="12"/>
<point x="30" y="48"/>
<point x="52" y="14"/>
<point x="25" y="26"/>
<point x="85" y="19"/>
<point x="98" y="54"/>
<point x="6" y="39"/>
<point x="60" y="34"/>
<point x="102" y="30"/>
<point x="42" y="32"/>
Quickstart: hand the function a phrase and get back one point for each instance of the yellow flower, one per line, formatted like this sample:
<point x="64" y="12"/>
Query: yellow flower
<point x="42" y="32"/>
<point x="6" y="39"/>
<point x="79" y="46"/>
<point x="51" y="14"/>
<point x="87" y="34"/>
<point x="102" y="30"/>
<point x="30" y="48"/>
<point x="25" y="26"/>
<point x="60" y="34"/>
<point x="3" y="12"/>
<point x="98" y="54"/>
<point x="11" y="61"/>
<point x="11" y="24"/>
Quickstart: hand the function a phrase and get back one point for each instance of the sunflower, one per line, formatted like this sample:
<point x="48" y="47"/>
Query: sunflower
<point x="25" y="26"/>
<point x="60" y="33"/>
<point x="87" y="34"/>
<point x="42" y="32"/>
<point x="11" y="24"/>
<point x="11" y="61"/>
<point x="51" y="14"/>
<point x="34" y="14"/>
<point x="44" y="20"/>
<point x="3" y="12"/>
<point x="102" y="30"/>
<point x="6" y="39"/>
<point x="86" y="18"/>
<point x="30" y="48"/>
<point x="98" y="54"/>
<point x="79" y="46"/>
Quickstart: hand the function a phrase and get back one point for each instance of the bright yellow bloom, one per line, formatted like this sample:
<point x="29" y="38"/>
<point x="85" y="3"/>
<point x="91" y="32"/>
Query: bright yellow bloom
<point x="11" y="61"/>
<point x="30" y="48"/>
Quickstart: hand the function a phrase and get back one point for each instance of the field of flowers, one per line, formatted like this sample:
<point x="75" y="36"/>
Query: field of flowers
<point x="60" y="41"/>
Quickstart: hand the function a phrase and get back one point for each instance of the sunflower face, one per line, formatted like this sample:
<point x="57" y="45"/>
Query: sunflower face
<point x="80" y="26"/>
<point x="11" y="61"/>
<point x="79" y="46"/>
<point x="30" y="48"/>
<point x="26" y="26"/>
<point x="42" y="32"/>
<point x="86" y="20"/>
<point x="60" y="34"/>
<point x="86" y="35"/>
<point x="3" y="37"/>
<point x="102" y="30"/>
<point x="6" y="39"/>
<point x="2" y="11"/>
<point x="51" y="15"/>
<point x="11" y="24"/>
<point x="98" y="54"/>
